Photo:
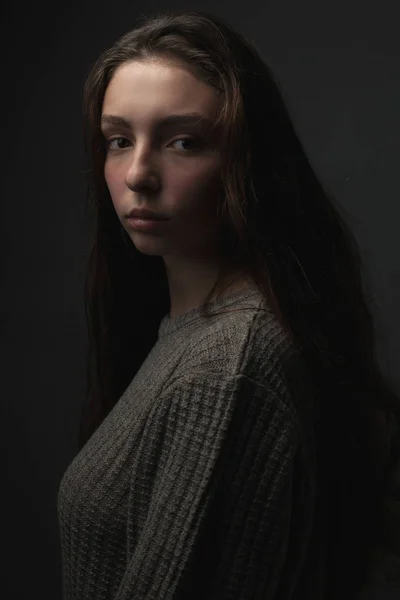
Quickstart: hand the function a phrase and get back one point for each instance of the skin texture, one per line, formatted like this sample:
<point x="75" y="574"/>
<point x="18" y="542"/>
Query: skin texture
<point x="171" y="169"/>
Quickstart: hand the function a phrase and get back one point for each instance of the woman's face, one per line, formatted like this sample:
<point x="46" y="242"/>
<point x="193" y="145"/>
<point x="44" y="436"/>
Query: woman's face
<point x="170" y="167"/>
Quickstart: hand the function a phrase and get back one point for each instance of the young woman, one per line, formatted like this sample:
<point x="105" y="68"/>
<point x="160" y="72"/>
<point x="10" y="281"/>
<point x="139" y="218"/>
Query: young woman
<point x="238" y="439"/>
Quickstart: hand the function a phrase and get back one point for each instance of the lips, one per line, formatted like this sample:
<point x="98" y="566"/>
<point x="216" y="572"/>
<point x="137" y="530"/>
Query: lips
<point x="147" y="225"/>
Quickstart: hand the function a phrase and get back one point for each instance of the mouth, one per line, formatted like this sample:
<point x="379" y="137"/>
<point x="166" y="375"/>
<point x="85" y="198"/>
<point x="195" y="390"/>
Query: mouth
<point x="146" y="225"/>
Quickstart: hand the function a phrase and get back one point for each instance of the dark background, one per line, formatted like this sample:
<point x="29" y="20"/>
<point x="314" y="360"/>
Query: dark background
<point x="338" y="63"/>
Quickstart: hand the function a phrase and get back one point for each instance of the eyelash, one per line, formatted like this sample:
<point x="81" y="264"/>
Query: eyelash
<point x="185" y="139"/>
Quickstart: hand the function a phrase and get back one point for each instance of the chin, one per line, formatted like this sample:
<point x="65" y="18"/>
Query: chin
<point x="148" y="246"/>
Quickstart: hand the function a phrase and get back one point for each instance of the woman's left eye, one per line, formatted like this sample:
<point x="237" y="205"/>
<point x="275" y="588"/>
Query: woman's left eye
<point x="191" y="141"/>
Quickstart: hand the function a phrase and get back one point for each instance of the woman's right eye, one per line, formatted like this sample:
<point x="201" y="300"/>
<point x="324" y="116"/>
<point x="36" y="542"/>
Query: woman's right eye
<point x="109" y="142"/>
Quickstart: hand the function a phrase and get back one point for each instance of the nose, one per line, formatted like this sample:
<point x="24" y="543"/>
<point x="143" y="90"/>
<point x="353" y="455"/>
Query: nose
<point x="142" y="172"/>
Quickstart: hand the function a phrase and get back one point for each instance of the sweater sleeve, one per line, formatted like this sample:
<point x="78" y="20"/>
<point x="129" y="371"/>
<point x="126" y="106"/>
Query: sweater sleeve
<point x="210" y="501"/>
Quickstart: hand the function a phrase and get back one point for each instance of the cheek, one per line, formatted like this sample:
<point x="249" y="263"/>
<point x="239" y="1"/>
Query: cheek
<point x="116" y="186"/>
<point x="195" y="187"/>
<point x="113" y="177"/>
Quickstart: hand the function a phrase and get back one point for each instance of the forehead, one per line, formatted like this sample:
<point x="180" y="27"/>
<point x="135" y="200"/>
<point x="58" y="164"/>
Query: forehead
<point x="154" y="88"/>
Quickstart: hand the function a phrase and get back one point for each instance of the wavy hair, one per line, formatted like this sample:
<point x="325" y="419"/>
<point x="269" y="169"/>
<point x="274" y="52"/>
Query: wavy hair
<point x="287" y="231"/>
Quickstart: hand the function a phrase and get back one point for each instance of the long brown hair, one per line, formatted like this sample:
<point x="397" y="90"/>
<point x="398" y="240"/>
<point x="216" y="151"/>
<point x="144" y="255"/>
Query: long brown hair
<point x="287" y="231"/>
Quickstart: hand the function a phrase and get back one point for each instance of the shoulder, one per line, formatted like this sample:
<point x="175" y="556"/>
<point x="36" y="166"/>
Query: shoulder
<point x="205" y="395"/>
<point x="246" y="339"/>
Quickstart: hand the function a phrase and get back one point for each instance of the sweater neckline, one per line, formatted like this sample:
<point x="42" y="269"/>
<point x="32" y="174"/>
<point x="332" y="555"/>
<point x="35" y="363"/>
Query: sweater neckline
<point x="169" y="325"/>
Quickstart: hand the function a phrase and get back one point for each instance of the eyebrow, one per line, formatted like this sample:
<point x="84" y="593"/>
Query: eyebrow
<point x="170" y="120"/>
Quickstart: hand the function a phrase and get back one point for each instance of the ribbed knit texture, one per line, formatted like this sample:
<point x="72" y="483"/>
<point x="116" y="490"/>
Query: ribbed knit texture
<point x="200" y="483"/>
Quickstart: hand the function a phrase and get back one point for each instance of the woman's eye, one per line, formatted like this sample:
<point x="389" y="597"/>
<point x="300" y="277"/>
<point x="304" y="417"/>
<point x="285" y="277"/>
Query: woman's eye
<point x="191" y="141"/>
<point x="109" y="142"/>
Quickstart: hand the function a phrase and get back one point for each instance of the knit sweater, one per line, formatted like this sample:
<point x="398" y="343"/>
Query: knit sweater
<point x="200" y="482"/>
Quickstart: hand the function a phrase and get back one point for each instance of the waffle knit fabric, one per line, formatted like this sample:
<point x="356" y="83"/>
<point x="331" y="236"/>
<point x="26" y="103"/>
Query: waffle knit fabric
<point x="200" y="482"/>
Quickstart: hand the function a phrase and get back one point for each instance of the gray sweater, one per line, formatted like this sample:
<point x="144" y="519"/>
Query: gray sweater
<point x="200" y="483"/>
